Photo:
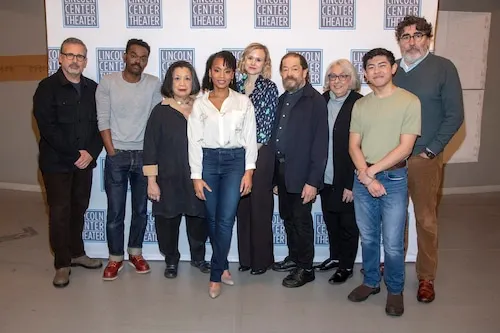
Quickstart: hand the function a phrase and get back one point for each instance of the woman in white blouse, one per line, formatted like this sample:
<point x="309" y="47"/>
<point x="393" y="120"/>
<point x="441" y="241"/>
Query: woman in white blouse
<point x="222" y="154"/>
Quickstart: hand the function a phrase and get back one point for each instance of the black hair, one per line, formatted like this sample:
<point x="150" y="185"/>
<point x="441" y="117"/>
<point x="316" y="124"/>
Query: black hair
<point x="139" y="42"/>
<point x="421" y="24"/>
<point x="378" y="52"/>
<point x="229" y="62"/>
<point x="166" y="88"/>
<point x="302" y="59"/>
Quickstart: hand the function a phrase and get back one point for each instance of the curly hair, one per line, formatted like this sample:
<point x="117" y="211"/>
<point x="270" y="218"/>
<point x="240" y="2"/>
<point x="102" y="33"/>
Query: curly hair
<point x="420" y="22"/>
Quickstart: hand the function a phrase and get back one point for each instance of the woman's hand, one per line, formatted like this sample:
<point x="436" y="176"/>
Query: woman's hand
<point x="199" y="186"/>
<point x="246" y="183"/>
<point x="153" y="191"/>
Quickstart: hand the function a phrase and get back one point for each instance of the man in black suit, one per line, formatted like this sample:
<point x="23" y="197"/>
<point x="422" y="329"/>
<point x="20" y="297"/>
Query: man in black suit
<point x="301" y="140"/>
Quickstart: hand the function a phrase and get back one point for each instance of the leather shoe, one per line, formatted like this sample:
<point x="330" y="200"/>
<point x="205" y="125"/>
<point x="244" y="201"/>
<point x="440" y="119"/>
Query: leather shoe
<point x="426" y="293"/>
<point x="243" y="268"/>
<point x="340" y="276"/>
<point x="202" y="265"/>
<point x="61" y="279"/>
<point x="258" y="271"/>
<point x="285" y="265"/>
<point x="298" y="277"/>
<point x="327" y="265"/>
<point x="362" y="292"/>
<point x="170" y="272"/>
<point x="86" y="262"/>
<point x="395" y="305"/>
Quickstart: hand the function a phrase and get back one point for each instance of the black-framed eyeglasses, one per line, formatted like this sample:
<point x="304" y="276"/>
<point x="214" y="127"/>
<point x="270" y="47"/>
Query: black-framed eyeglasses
<point x="341" y="77"/>
<point x="71" y="56"/>
<point x="417" y="37"/>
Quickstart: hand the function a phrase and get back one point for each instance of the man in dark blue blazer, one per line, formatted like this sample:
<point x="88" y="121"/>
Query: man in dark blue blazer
<point x="301" y="143"/>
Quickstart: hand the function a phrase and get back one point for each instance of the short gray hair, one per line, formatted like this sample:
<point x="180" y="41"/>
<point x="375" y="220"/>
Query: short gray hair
<point x="73" y="40"/>
<point x="348" y="69"/>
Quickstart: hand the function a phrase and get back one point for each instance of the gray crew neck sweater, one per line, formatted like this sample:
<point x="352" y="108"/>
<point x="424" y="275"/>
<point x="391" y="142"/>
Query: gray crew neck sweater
<point x="124" y="108"/>
<point x="436" y="83"/>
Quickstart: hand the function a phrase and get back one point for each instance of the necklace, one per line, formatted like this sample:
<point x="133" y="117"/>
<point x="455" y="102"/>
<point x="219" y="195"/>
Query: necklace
<point x="182" y="102"/>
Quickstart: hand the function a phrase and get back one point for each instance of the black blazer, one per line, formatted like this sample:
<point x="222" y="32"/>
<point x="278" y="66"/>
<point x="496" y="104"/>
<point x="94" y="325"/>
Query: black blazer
<point x="306" y="140"/>
<point x="342" y="164"/>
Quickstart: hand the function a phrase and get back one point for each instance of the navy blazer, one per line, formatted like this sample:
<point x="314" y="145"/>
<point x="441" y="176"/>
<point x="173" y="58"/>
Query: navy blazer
<point x="306" y="140"/>
<point x="343" y="167"/>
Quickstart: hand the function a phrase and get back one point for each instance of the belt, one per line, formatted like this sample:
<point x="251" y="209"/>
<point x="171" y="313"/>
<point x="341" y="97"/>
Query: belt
<point x="399" y="165"/>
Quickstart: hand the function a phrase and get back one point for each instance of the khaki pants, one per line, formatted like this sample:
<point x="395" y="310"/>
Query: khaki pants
<point x="424" y="181"/>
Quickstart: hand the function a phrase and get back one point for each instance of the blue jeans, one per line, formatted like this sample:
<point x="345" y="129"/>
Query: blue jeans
<point x="125" y="165"/>
<point x="388" y="213"/>
<point x="222" y="171"/>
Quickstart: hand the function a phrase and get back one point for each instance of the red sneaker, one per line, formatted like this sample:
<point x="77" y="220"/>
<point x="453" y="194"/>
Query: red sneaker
<point x="111" y="270"/>
<point x="139" y="263"/>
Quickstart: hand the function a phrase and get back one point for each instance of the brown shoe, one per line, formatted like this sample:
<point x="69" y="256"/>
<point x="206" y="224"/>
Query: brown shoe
<point x="394" y="306"/>
<point x="86" y="262"/>
<point x="426" y="292"/>
<point x="361" y="293"/>
<point x="61" y="279"/>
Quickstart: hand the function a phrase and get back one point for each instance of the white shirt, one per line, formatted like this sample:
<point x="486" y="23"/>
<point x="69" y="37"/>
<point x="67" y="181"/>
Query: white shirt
<point x="231" y="127"/>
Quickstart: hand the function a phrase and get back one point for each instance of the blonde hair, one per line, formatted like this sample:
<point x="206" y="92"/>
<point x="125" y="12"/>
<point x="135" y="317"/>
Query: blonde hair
<point x="266" y="70"/>
<point x="348" y="69"/>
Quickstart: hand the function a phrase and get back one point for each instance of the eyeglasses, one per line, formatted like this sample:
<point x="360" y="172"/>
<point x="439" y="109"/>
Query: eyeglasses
<point x="71" y="56"/>
<point x="341" y="77"/>
<point x="417" y="37"/>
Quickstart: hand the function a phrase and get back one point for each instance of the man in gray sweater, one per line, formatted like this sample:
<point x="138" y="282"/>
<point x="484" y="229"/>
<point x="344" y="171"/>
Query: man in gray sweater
<point x="124" y="102"/>
<point x="436" y="83"/>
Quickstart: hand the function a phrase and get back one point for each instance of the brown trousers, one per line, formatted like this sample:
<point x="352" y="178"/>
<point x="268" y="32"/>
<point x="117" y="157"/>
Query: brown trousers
<point x="424" y="182"/>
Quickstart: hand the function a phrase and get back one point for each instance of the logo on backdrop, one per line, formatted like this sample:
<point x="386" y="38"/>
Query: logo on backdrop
<point x="320" y="231"/>
<point x="94" y="226"/>
<point x="208" y="13"/>
<point x="335" y="14"/>
<point x="150" y="234"/>
<point x="53" y="59"/>
<point x="314" y="59"/>
<point x="169" y="56"/>
<point x="396" y="10"/>
<point x="109" y="60"/>
<point x="272" y="14"/>
<point x="80" y="13"/>
<point x="279" y="234"/>
<point x="357" y="61"/>
<point x="144" y="14"/>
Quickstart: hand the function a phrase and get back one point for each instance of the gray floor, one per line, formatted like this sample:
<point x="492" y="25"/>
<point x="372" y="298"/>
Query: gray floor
<point x="467" y="292"/>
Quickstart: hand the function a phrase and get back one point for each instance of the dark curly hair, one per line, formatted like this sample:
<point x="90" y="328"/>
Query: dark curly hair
<point x="420" y="22"/>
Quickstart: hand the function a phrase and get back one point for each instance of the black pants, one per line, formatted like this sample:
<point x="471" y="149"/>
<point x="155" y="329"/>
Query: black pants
<point x="343" y="232"/>
<point x="298" y="222"/>
<point x="167" y="231"/>
<point x="68" y="197"/>
<point x="255" y="216"/>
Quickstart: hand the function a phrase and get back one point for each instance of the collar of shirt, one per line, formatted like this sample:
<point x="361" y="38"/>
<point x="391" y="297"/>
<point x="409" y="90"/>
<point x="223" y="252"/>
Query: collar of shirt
<point x="339" y="99"/>
<point x="64" y="80"/>
<point x="240" y="84"/>
<point x="408" y="68"/>
<point x="226" y="105"/>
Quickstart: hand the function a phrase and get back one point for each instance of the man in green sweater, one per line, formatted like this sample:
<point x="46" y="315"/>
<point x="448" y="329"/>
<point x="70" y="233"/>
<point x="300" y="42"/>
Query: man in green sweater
<point x="436" y="83"/>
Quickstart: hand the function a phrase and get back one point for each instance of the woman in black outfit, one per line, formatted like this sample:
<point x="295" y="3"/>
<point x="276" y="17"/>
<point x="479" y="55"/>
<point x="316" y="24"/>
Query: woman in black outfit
<point x="167" y="168"/>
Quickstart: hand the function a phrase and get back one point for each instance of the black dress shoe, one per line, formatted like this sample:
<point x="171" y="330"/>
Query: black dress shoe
<point x="298" y="277"/>
<point x="284" y="266"/>
<point x="327" y="265"/>
<point x="170" y="272"/>
<point x="340" y="276"/>
<point x="202" y="265"/>
<point x="258" y="271"/>
<point x="243" y="268"/>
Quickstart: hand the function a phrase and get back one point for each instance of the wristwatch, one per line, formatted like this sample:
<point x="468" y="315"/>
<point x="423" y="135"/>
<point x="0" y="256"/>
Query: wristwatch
<point x="429" y="154"/>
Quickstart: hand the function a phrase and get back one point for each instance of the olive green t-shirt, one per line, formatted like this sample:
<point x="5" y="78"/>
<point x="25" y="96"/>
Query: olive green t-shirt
<point x="381" y="121"/>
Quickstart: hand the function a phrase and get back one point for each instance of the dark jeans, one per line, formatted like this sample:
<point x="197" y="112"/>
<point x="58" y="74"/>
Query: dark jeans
<point x="222" y="171"/>
<point x="167" y="231"/>
<point x="68" y="197"/>
<point x="343" y="233"/>
<point x="255" y="215"/>
<point x="298" y="223"/>
<point x="125" y="165"/>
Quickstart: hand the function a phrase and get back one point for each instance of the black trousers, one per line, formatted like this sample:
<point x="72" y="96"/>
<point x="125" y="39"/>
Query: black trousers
<point x="167" y="231"/>
<point x="298" y="222"/>
<point x="255" y="216"/>
<point x="68" y="197"/>
<point x="342" y="230"/>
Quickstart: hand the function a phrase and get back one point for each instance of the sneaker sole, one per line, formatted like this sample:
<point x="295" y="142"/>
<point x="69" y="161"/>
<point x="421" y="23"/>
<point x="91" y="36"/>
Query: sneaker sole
<point x="113" y="278"/>
<point x="85" y="266"/>
<point x="139" y="272"/>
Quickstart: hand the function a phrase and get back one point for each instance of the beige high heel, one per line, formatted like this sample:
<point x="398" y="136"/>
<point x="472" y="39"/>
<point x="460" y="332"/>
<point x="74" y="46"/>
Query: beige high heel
<point x="214" y="290"/>
<point x="227" y="280"/>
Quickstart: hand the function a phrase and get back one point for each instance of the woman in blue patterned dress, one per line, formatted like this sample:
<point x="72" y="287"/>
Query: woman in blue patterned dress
<point x="255" y="211"/>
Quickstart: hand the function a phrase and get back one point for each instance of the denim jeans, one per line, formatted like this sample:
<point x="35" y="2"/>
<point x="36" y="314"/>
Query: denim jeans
<point x="222" y="171"/>
<point x="125" y="165"/>
<point x="388" y="213"/>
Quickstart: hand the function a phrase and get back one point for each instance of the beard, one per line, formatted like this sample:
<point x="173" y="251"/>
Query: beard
<point x="291" y="83"/>
<point x="413" y="54"/>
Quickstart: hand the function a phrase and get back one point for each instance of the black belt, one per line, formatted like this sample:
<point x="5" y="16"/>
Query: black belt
<point x="399" y="165"/>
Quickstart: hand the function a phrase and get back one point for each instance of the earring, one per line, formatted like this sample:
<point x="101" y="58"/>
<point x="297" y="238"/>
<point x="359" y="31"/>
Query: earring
<point x="209" y="79"/>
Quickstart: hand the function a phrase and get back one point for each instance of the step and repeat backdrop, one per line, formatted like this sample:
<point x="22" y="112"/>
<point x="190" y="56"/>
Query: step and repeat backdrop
<point x="321" y="30"/>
